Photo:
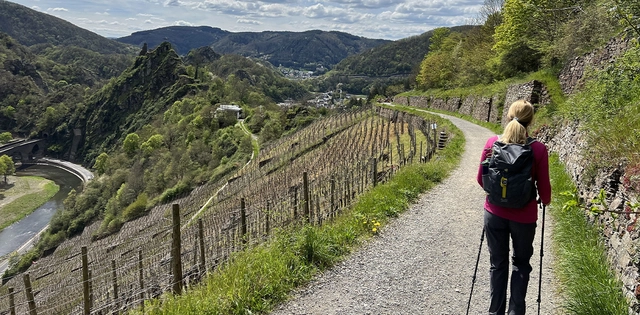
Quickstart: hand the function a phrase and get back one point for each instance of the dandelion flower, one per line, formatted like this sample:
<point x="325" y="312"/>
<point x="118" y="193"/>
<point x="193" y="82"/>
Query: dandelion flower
<point x="377" y="224"/>
<point x="374" y="230"/>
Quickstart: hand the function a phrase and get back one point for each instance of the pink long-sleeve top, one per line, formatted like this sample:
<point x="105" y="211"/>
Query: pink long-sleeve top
<point x="540" y="170"/>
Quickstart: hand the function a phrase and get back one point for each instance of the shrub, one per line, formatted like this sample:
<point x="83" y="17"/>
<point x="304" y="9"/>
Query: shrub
<point x="137" y="208"/>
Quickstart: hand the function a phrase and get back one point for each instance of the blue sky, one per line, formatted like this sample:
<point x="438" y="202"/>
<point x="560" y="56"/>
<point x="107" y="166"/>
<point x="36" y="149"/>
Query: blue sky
<point x="386" y="19"/>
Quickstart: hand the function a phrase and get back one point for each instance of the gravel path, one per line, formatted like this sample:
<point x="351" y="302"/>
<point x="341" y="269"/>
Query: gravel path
<point x="423" y="261"/>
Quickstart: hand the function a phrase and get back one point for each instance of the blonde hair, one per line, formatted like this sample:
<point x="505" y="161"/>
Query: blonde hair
<point x="520" y="116"/>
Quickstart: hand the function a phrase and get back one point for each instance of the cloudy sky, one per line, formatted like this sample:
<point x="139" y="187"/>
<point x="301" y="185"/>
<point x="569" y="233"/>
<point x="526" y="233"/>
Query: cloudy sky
<point x="386" y="19"/>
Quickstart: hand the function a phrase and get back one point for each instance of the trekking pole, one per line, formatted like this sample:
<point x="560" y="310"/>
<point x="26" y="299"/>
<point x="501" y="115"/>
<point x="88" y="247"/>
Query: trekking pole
<point x="473" y="281"/>
<point x="544" y="208"/>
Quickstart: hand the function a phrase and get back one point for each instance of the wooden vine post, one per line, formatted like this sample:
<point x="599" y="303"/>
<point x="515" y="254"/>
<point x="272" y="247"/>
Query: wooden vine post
<point x="85" y="282"/>
<point x="176" y="259"/>
<point x="243" y="221"/>
<point x="333" y="197"/>
<point x="305" y="188"/>
<point x="29" y="293"/>
<point x="114" y="280"/>
<point x="12" y="303"/>
<point x="375" y="172"/>
<point x="266" y="218"/>
<point x="203" y="266"/>
<point x="141" y="278"/>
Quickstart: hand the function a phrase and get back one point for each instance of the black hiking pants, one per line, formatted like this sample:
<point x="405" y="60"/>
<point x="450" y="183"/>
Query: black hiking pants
<point x="498" y="231"/>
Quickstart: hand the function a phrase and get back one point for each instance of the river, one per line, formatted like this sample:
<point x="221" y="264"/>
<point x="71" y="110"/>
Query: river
<point x="19" y="233"/>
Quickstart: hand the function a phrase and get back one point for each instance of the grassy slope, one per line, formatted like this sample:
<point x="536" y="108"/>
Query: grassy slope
<point x="24" y="196"/>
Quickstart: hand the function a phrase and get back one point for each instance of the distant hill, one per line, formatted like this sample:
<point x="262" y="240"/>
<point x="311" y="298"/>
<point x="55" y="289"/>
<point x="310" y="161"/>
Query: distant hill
<point x="395" y="58"/>
<point x="182" y="38"/>
<point x="289" y="49"/>
<point x="30" y="27"/>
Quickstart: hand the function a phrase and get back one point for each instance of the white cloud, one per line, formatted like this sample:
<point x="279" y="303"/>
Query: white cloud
<point x="390" y="19"/>
<point x="172" y="3"/>
<point x="182" y="23"/>
<point x="246" y="21"/>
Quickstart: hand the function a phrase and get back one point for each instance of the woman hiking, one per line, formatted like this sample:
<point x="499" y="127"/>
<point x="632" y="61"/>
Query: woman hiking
<point x="519" y="224"/>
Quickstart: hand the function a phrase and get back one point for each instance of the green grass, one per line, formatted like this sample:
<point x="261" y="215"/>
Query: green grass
<point x="256" y="280"/>
<point x="588" y="284"/>
<point x="26" y="204"/>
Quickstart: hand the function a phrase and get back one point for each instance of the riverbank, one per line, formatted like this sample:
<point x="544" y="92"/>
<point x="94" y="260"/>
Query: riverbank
<point x="22" y="195"/>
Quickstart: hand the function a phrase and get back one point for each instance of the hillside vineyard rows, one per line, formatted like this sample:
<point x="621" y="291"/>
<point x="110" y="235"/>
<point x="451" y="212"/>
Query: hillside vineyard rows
<point x="309" y="176"/>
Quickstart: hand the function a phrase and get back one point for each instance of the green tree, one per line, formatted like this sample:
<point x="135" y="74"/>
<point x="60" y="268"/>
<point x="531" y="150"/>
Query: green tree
<point x="154" y="142"/>
<point x="131" y="144"/>
<point x="529" y="32"/>
<point x="628" y="12"/>
<point x="6" y="166"/>
<point x="101" y="163"/>
<point x="438" y="37"/>
<point x="440" y="66"/>
<point x="5" y="137"/>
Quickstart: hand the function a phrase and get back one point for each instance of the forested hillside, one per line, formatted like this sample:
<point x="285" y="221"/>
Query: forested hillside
<point x="30" y="27"/>
<point x="298" y="50"/>
<point x="39" y="87"/>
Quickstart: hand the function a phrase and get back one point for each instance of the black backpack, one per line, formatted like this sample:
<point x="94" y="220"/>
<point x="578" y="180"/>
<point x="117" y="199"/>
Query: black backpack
<point x="506" y="176"/>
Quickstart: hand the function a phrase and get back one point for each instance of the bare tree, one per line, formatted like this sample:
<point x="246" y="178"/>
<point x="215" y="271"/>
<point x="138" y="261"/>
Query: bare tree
<point x="489" y="8"/>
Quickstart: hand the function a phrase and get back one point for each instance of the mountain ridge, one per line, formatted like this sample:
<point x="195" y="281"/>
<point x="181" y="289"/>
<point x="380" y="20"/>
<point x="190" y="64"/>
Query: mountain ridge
<point x="30" y="27"/>
<point x="306" y="49"/>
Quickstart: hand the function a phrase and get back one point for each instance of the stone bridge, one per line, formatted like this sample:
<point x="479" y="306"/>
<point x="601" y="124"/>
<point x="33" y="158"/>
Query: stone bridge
<point x="24" y="151"/>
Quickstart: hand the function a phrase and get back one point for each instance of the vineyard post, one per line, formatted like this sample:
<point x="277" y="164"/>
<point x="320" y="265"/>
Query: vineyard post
<point x="90" y="289"/>
<point x="375" y="172"/>
<point x="114" y="279"/>
<point x="318" y="212"/>
<point x="391" y="156"/>
<point x="141" y="279"/>
<point x="243" y="221"/>
<point x="30" y="299"/>
<point x="201" y="239"/>
<point x="295" y="203"/>
<point x="196" y="248"/>
<point x="435" y="141"/>
<point x="333" y="198"/>
<point x="176" y="259"/>
<point x="12" y="303"/>
<point x="85" y="281"/>
<point x="266" y="218"/>
<point x="305" y="187"/>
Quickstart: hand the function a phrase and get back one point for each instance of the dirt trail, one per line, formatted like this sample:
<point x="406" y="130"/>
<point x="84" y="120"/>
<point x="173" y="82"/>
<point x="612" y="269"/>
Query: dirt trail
<point x="423" y="261"/>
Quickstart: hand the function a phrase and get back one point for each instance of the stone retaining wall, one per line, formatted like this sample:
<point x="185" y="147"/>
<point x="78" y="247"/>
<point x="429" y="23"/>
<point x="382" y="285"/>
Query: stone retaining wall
<point x="572" y="74"/>
<point x="620" y="232"/>
<point x="482" y="108"/>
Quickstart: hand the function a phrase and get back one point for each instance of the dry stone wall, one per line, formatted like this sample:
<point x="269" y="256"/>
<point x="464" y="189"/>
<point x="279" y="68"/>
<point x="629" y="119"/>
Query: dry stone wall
<point x="620" y="231"/>
<point x="534" y="91"/>
<point x="490" y="109"/>
<point x="571" y="76"/>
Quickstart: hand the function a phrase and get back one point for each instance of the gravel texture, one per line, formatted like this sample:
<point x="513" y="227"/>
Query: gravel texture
<point x="423" y="261"/>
